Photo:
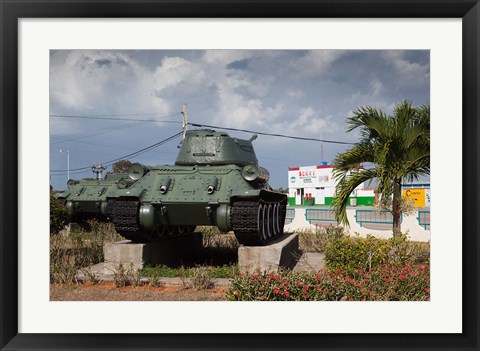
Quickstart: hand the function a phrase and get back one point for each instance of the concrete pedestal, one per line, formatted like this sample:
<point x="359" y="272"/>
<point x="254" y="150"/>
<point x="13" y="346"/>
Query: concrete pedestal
<point x="168" y="252"/>
<point x="282" y="252"/>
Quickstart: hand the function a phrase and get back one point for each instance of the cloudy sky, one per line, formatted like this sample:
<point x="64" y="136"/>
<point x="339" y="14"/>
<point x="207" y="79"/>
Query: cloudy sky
<point x="299" y="93"/>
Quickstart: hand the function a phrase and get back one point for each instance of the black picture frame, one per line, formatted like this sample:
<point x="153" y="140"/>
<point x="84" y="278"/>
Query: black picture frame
<point x="11" y="11"/>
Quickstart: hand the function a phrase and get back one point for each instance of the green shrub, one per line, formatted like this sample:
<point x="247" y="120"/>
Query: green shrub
<point x="121" y="276"/>
<point x="154" y="280"/>
<point x="58" y="215"/>
<point x="63" y="268"/>
<point x="351" y="253"/>
<point x="201" y="277"/>
<point x="383" y="283"/>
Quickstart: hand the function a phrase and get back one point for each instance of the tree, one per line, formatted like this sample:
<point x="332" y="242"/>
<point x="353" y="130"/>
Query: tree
<point x="121" y="166"/>
<point x="398" y="146"/>
<point x="58" y="214"/>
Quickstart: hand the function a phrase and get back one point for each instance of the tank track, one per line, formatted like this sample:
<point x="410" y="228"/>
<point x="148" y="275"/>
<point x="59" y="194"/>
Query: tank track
<point x="258" y="221"/>
<point x="124" y="215"/>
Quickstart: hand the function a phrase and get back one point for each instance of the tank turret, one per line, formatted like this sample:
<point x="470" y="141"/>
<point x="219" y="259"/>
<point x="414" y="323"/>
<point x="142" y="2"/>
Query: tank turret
<point x="208" y="147"/>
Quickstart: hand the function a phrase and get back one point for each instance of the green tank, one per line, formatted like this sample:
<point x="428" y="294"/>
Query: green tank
<point x="216" y="181"/>
<point x="89" y="197"/>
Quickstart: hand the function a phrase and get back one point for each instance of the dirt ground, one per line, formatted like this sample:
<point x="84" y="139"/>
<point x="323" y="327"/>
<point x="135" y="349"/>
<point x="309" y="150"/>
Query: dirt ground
<point x="106" y="291"/>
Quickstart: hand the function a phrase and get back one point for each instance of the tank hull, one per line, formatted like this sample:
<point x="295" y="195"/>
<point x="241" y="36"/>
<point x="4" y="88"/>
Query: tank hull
<point x="210" y="196"/>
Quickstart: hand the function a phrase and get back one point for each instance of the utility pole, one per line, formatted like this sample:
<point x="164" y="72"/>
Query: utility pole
<point x="68" y="163"/>
<point x="185" y="119"/>
<point x="321" y="137"/>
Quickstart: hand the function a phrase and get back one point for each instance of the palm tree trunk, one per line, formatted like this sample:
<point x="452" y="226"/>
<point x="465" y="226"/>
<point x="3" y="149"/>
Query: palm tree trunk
<point x="396" y="207"/>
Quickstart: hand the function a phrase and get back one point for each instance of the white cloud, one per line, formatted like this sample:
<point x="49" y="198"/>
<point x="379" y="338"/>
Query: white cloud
<point x="308" y="122"/>
<point x="237" y="111"/>
<point x="224" y="57"/>
<point x="296" y="94"/>
<point x="98" y="81"/>
<point x="409" y="70"/>
<point x="317" y="62"/>
<point x="175" y="70"/>
<point x="372" y="97"/>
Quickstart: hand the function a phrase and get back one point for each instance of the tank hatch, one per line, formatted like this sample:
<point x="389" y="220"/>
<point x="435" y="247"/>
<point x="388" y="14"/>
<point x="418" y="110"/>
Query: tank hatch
<point x="209" y="147"/>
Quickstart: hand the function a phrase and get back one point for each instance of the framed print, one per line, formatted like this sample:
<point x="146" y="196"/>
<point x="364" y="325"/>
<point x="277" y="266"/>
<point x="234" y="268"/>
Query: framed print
<point x="31" y="30"/>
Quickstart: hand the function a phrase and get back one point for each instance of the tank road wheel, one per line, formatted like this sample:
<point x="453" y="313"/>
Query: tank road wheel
<point x="275" y="219"/>
<point x="161" y="231"/>
<point x="270" y="223"/>
<point x="171" y="230"/>
<point x="181" y="229"/>
<point x="283" y="213"/>
<point x="260" y="227"/>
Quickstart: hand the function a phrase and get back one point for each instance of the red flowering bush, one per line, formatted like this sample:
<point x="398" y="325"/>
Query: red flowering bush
<point x="383" y="283"/>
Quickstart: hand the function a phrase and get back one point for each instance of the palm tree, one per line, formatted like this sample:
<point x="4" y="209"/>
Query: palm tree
<point x="398" y="146"/>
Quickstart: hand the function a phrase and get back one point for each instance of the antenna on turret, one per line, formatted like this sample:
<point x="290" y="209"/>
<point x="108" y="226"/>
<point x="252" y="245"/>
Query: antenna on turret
<point x="185" y="119"/>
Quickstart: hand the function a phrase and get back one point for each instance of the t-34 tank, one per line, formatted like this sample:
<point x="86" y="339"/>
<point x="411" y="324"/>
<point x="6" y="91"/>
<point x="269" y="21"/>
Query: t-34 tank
<point x="88" y="197"/>
<point x="216" y="180"/>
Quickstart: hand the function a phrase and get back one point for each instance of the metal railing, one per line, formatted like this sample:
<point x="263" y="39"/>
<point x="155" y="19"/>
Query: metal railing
<point x="319" y="215"/>
<point x="290" y="215"/>
<point x="374" y="216"/>
<point x="424" y="219"/>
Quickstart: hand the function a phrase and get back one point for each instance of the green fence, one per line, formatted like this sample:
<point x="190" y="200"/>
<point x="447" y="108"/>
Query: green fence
<point x="289" y="216"/>
<point x="373" y="216"/>
<point x="424" y="219"/>
<point x="316" y="215"/>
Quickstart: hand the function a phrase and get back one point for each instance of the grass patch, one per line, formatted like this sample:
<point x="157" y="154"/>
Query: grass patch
<point x="79" y="249"/>
<point x="317" y="240"/>
<point x="225" y="271"/>
<point x="214" y="238"/>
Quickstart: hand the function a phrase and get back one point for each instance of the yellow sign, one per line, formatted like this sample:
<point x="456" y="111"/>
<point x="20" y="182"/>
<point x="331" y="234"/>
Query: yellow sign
<point x="415" y="195"/>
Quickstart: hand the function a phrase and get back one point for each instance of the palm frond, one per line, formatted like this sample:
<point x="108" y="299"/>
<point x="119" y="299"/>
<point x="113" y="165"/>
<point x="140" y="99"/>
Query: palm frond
<point x="347" y="183"/>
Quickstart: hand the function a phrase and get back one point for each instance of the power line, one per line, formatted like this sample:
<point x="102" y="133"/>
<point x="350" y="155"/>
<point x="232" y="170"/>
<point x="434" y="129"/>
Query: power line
<point x="148" y="148"/>
<point x="96" y="133"/>
<point x="136" y="153"/>
<point x="104" y="117"/>
<point x="112" y="117"/>
<point x="116" y="147"/>
<point x="272" y="134"/>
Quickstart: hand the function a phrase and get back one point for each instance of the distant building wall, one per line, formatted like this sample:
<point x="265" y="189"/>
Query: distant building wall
<point x="362" y="220"/>
<point x="315" y="185"/>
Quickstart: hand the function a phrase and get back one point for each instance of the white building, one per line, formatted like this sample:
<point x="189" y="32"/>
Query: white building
<point x="314" y="185"/>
